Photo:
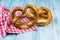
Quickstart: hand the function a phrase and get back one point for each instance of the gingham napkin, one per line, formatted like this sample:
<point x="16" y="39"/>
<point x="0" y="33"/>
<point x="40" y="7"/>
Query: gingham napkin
<point x="6" y="25"/>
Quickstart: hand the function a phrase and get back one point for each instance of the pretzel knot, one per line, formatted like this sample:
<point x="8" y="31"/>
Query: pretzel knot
<point x="41" y="16"/>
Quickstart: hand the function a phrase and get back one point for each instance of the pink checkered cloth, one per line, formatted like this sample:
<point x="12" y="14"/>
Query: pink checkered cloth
<point x="6" y="25"/>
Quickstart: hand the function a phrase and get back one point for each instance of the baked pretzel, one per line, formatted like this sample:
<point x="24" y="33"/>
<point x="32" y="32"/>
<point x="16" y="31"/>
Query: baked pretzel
<point x="44" y="16"/>
<point x="31" y="16"/>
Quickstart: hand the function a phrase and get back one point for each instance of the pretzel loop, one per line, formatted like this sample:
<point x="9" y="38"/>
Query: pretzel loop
<point x="14" y="18"/>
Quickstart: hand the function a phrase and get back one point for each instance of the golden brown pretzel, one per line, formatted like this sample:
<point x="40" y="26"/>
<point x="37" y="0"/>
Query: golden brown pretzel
<point x="31" y="16"/>
<point x="44" y="16"/>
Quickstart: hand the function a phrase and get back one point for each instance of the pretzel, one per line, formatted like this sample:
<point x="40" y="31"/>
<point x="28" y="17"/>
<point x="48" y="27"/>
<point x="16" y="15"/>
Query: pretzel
<point x="44" y="16"/>
<point x="31" y="16"/>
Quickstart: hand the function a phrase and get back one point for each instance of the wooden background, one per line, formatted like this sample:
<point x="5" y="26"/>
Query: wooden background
<point x="49" y="32"/>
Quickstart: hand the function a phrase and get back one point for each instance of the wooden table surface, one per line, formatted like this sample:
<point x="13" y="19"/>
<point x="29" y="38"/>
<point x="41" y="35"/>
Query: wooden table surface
<point x="49" y="32"/>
